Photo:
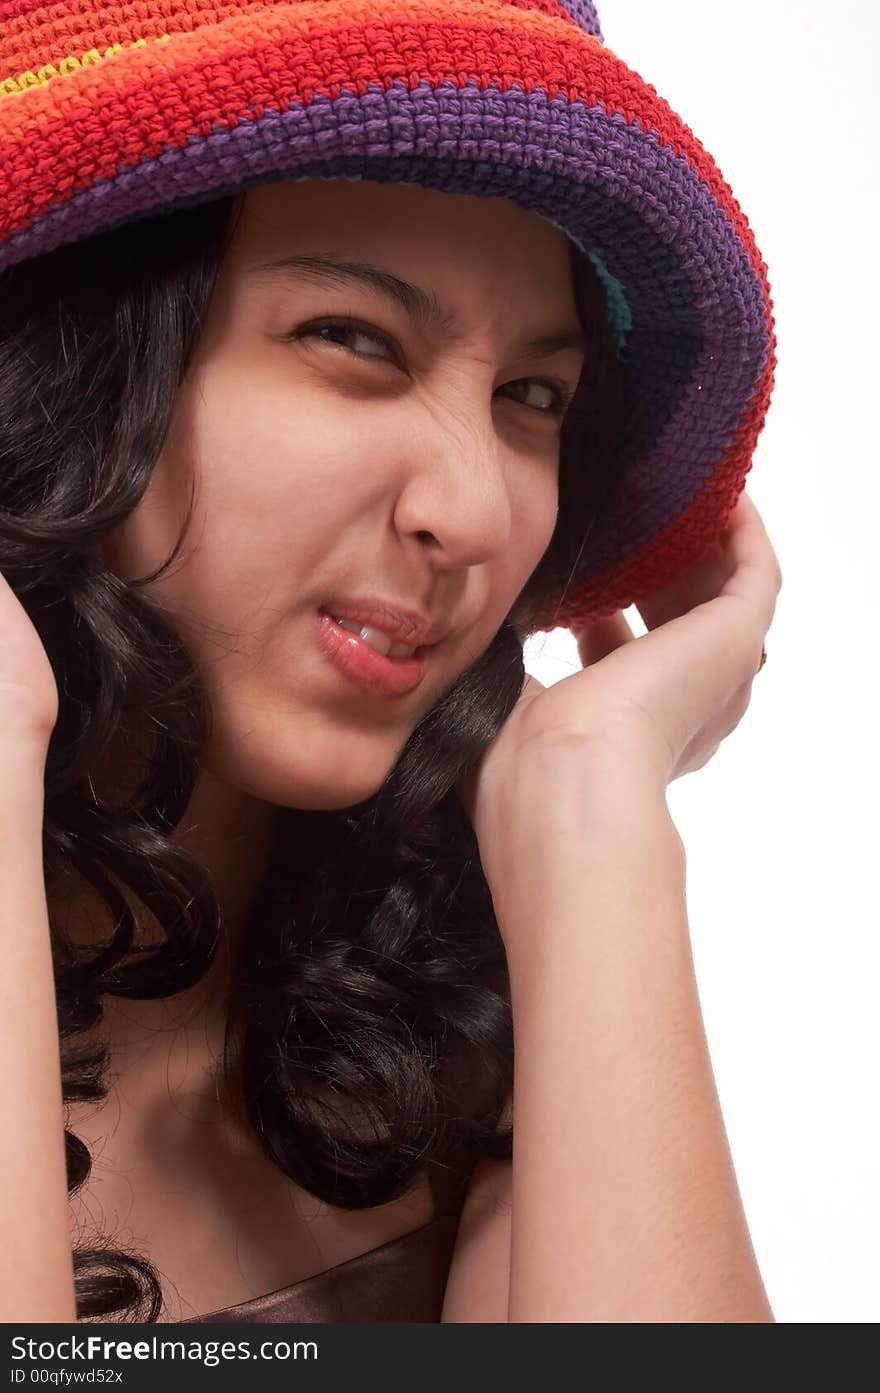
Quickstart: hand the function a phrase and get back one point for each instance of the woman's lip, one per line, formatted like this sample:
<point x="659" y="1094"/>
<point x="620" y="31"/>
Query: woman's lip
<point x="367" y="669"/>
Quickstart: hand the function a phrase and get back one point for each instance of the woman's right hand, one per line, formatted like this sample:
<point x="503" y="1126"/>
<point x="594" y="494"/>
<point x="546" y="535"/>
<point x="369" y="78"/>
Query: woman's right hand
<point x="28" y="690"/>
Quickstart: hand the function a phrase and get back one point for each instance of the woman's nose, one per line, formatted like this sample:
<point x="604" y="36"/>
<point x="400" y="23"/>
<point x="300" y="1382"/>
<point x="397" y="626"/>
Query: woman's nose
<point x="459" y="491"/>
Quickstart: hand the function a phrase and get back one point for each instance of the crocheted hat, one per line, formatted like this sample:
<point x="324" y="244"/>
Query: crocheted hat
<point x="114" y="111"/>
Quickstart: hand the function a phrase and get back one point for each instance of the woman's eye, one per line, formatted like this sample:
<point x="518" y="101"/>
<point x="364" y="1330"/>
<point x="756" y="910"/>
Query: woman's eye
<point x="344" y="330"/>
<point x="561" y="394"/>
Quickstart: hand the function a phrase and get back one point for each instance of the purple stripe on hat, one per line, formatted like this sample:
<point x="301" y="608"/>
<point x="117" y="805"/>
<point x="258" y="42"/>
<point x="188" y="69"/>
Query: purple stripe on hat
<point x="584" y="11"/>
<point x="698" y="342"/>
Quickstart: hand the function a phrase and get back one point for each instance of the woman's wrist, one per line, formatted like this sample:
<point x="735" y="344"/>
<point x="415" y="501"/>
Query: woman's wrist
<point x="23" y="780"/>
<point x="593" y="827"/>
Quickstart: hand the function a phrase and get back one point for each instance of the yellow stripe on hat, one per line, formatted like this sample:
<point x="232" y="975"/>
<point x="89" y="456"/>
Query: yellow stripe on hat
<point x="11" y="85"/>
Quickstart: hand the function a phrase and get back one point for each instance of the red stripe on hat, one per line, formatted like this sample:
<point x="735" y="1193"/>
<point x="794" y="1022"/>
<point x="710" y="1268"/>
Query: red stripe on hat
<point x="77" y="129"/>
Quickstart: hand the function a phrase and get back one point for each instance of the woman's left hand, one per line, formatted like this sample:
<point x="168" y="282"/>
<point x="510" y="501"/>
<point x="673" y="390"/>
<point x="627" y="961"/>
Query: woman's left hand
<point x="742" y="567"/>
<point x="657" y="705"/>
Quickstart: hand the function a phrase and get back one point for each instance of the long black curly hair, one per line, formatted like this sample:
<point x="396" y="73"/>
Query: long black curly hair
<point x="371" y="967"/>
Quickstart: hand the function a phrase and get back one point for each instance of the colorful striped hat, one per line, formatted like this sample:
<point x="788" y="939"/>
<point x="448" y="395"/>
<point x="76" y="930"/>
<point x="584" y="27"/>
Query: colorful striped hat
<point x="111" y="111"/>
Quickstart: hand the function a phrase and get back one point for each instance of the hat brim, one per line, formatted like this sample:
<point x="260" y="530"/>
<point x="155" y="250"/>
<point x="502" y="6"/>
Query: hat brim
<point x="514" y="102"/>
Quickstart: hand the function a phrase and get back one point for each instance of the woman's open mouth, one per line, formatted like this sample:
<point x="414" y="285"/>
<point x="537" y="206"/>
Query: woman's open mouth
<point x="378" y="674"/>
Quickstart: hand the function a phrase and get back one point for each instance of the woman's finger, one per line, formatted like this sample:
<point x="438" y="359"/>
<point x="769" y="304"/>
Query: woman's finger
<point x="756" y="575"/>
<point x="600" y="637"/>
<point x="741" y="561"/>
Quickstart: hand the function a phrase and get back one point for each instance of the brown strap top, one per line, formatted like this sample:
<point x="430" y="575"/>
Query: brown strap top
<point x="403" y="1280"/>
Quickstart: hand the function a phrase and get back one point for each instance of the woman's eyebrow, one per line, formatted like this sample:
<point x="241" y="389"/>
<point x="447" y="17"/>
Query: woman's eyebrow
<point x="423" y="306"/>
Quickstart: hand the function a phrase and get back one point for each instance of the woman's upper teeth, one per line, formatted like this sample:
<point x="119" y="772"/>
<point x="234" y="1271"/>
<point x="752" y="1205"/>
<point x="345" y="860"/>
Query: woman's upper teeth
<point x="376" y="639"/>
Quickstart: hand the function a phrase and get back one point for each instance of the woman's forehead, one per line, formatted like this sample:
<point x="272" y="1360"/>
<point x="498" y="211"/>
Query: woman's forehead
<point x="456" y="250"/>
<point x="401" y="217"/>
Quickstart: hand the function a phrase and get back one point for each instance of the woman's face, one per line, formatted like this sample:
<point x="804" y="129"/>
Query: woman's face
<point x="420" y="466"/>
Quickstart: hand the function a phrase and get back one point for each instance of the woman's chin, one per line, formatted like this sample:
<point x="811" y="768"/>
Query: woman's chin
<point x="323" y="783"/>
<point x="330" y="805"/>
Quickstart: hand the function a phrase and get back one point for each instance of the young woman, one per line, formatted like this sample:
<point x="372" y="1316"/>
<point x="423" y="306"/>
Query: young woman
<point x="286" y="894"/>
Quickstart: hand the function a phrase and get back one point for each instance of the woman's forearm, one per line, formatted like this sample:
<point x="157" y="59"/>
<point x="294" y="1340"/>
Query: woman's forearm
<point x="625" y="1202"/>
<point x="36" y="1269"/>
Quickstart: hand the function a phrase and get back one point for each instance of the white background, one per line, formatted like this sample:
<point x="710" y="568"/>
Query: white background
<point x="781" y="826"/>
